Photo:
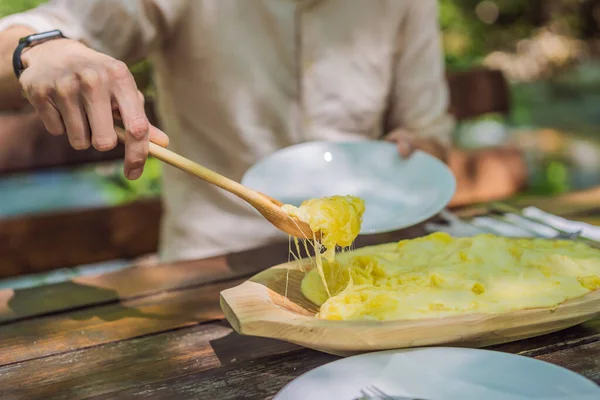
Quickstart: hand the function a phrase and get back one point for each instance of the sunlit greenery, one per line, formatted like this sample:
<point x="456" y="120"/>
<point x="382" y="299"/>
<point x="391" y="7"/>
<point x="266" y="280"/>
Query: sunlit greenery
<point x="14" y="6"/>
<point x="118" y="189"/>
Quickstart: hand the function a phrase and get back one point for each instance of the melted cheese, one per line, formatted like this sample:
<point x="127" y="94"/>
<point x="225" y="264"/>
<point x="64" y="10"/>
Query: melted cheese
<point x="337" y="218"/>
<point x="439" y="276"/>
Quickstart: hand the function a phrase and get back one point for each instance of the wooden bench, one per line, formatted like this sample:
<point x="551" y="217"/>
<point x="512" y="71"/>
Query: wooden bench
<point x="36" y="243"/>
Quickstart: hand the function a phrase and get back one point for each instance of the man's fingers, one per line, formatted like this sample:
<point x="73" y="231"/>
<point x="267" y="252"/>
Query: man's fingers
<point x="50" y="117"/>
<point x="404" y="142"/>
<point x="405" y="148"/>
<point x="159" y="137"/>
<point x="67" y="100"/>
<point x="96" y="101"/>
<point x="40" y="98"/>
<point x="134" y="120"/>
<point x="155" y="135"/>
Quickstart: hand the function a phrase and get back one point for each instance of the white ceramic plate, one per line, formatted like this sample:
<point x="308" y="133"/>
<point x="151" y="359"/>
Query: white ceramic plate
<point x="441" y="373"/>
<point x="398" y="193"/>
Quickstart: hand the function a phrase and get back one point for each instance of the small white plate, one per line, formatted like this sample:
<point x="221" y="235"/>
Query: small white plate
<point x="442" y="373"/>
<point x="398" y="193"/>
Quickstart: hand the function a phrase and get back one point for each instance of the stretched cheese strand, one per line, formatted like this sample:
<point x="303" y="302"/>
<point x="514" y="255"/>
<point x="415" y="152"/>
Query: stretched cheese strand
<point x="338" y="218"/>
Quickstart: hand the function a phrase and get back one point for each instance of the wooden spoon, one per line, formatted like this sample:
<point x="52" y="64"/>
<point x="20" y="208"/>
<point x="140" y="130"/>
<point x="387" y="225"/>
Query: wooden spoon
<point x="267" y="206"/>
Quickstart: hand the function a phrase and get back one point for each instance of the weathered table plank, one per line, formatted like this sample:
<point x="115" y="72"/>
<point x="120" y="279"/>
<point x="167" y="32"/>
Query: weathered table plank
<point x="143" y="281"/>
<point x="578" y="335"/>
<point x="95" y="290"/>
<point x="41" y="337"/>
<point x="263" y="378"/>
<point x="38" y="243"/>
<point x="259" y="379"/>
<point x="583" y="359"/>
<point x="123" y="365"/>
<point x="150" y="332"/>
<point x="181" y="358"/>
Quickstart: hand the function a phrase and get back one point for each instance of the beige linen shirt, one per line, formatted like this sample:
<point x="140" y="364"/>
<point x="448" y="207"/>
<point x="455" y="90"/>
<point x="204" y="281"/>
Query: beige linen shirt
<point x="240" y="79"/>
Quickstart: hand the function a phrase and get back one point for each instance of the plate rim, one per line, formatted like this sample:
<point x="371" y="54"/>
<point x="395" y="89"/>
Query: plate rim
<point x="444" y="198"/>
<point x="534" y="360"/>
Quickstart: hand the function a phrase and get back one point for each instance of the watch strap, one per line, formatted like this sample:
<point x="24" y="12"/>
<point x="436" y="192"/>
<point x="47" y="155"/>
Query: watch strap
<point x="30" y="41"/>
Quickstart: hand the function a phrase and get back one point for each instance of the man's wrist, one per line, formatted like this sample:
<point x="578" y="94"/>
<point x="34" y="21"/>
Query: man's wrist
<point x="31" y="41"/>
<point x="29" y="52"/>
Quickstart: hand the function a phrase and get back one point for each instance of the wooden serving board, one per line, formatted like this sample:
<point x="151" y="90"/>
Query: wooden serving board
<point x="260" y="307"/>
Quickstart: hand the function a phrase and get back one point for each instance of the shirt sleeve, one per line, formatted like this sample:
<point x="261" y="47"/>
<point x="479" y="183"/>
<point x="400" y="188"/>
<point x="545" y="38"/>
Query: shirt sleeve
<point x="420" y="96"/>
<point x="127" y="30"/>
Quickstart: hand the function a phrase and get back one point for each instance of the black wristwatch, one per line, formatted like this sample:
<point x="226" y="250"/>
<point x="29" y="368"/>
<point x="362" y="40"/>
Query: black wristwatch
<point x="30" y="41"/>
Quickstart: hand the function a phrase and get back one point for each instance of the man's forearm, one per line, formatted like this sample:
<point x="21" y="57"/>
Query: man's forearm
<point x="10" y="91"/>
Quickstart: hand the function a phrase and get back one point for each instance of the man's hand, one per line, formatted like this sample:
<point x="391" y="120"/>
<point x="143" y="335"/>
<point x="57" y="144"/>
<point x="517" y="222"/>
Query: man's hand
<point x="76" y="90"/>
<point x="408" y="143"/>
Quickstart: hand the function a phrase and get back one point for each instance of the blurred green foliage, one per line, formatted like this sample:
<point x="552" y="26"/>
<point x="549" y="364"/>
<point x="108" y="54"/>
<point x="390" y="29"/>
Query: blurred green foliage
<point x="118" y="190"/>
<point x="8" y="7"/>
<point x="467" y="39"/>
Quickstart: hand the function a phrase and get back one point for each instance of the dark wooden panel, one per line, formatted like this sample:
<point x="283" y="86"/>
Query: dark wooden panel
<point x="42" y="242"/>
<point x="25" y="145"/>
<point x="477" y="92"/>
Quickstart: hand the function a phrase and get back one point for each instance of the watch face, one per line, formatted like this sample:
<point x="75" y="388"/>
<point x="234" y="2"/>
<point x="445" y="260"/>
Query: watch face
<point x="44" y="36"/>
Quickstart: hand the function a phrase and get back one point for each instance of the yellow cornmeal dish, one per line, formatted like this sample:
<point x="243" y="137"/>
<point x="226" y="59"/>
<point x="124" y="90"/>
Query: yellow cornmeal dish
<point x="337" y="218"/>
<point x="440" y="276"/>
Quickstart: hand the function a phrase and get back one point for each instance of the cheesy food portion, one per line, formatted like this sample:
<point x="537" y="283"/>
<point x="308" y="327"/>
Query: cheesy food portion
<point x="337" y="218"/>
<point x="441" y="276"/>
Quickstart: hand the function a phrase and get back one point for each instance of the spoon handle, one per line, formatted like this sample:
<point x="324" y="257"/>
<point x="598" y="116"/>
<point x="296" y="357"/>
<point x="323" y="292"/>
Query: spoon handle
<point x="198" y="170"/>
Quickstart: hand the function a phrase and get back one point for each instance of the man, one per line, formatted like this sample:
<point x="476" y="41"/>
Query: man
<point x="236" y="81"/>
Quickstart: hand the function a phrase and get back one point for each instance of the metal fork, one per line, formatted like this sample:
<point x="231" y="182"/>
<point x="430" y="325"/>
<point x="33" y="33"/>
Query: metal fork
<point x="372" y="392"/>
<point x="507" y="209"/>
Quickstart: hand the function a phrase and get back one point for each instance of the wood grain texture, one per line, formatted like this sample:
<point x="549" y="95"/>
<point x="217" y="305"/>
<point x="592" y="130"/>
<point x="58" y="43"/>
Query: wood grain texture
<point x="582" y="334"/>
<point x="124" y="365"/>
<point x="142" y="281"/>
<point x="104" y="324"/>
<point x="584" y="360"/>
<point x="177" y="363"/>
<point x="264" y="378"/>
<point x="272" y="305"/>
<point x="124" y="284"/>
<point x="123" y="369"/>
<point x="40" y="243"/>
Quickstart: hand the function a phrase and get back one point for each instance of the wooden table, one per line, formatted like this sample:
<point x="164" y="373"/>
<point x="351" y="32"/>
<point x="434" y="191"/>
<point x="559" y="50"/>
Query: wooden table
<point x="158" y="332"/>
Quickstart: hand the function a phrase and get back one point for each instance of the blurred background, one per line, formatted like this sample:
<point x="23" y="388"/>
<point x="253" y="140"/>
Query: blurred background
<point x="546" y="50"/>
